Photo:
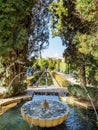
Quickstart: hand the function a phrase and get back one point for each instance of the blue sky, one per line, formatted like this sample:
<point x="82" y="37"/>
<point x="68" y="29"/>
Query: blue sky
<point x="55" y="48"/>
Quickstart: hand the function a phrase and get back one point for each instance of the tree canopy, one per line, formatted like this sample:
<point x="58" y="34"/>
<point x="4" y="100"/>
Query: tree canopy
<point x="18" y="21"/>
<point x="76" y="22"/>
<point x="24" y="29"/>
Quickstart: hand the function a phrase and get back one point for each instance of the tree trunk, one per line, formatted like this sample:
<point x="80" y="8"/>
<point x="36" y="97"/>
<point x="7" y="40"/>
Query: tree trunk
<point x="82" y="76"/>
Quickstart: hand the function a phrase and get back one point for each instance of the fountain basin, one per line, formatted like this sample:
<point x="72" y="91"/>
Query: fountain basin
<point x="35" y="114"/>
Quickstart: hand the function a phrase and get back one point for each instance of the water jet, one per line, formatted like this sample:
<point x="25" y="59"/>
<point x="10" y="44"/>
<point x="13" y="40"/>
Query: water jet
<point x="47" y="113"/>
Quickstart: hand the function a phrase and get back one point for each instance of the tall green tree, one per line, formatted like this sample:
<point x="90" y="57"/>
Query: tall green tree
<point x="14" y="25"/>
<point x="52" y="63"/>
<point x="39" y="31"/>
<point x="73" y="18"/>
<point x="19" y="20"/>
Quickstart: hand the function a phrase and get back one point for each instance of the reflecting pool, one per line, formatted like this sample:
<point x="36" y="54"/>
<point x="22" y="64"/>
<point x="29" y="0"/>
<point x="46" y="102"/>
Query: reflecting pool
<point x="78" y="119"/>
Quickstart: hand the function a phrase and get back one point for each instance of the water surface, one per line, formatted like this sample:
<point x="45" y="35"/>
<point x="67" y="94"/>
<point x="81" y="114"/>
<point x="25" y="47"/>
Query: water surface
<point x="79" y="119"/>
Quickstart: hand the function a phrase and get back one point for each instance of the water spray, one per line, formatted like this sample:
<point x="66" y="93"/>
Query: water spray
<point x="91" y="103"/>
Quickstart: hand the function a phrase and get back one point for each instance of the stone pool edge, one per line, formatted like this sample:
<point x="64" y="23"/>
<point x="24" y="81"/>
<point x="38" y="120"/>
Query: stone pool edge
<point x="8" y="103"/>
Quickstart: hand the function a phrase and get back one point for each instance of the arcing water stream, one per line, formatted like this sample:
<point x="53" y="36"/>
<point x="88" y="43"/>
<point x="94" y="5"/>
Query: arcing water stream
<point x="87" y="95"/>
<point x="12" y="64"/>
<point x="15" y="78"/>
<point x="91" y="102"/>
<point x="79" y="119"/>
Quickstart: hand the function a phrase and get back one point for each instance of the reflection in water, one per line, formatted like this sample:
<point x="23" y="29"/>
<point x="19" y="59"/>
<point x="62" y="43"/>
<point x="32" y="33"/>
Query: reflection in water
<point x="43" y="97"/>
<point x="79" y="119"/>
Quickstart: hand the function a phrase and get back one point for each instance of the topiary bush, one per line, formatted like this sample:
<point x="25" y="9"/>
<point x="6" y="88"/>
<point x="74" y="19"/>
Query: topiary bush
<point x="15" y="90"/>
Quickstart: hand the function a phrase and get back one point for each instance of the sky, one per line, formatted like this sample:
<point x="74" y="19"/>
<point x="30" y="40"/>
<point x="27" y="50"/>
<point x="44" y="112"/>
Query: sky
<point x="55" y="48"/>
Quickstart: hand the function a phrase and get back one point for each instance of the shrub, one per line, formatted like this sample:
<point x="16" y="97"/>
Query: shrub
<point x="43" y="80"/>
<point x="14" y="90"/>
<point x="32" y="79"/>
<point x="35" y="77"/>
<point x="78" y="91"/>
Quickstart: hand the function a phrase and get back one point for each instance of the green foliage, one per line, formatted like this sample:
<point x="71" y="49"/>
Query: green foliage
<point x="13" y="24"/>
<point x="76" y="90"/>
<point x="35" y="77"/>
<point x="2" y="71"/>
<point x="43" y="80"/>
<point x="18" y="21"/>
<point x="52" y="63"/>
<point x="1" y="65"/>
<point x="41" y="62"/>
<point x="15" y="90"/>
<point x="96" y="75"/>
<point x="80" y="92"/>
<point x="76" y="24"/>
<point x="39" y="36"/>
<point x="59" y="11"/>
<point x="63" y="67"/>
<point x="86" y="43"/>
<point x="87" y="8"/>
<point x="14" y="27"/>
<point x="92" y="75"/>
<point x="57" y="66"/>
<point x="62" y="82"/>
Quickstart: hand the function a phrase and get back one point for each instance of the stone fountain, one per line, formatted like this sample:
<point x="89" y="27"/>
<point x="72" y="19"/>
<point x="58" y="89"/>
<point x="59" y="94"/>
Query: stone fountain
<point x="45" y="113"/>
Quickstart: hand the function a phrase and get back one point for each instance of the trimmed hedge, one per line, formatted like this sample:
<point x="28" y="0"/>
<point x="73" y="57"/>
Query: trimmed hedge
<point x="43" y="81"/>
<point x="63" y="82"/>
<point x="32" y="79"/>
<point x="35" y="77"/>
<point x="78" y="91"/>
